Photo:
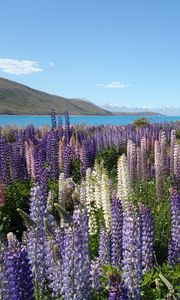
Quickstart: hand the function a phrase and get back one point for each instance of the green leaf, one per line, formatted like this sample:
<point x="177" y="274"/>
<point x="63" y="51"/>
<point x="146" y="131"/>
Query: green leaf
<point x="167" y="283"/>
<point x="48" y="228"/>
<point x="63" y="212"/>
<point x="56" y="251"/>
<point x="28" y="221"/>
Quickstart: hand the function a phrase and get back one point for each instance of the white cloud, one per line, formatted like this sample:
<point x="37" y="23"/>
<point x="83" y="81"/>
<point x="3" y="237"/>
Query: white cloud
<point x="19" y="67"/>
<point x="51" y="64"/>
<point x="113" y="85"/>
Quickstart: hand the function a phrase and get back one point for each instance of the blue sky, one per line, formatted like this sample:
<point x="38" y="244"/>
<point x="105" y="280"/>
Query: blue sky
<point x="108" y="51"/>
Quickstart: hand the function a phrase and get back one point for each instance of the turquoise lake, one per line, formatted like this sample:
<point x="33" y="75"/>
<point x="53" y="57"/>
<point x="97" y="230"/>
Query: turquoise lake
<point x="89" y="120"/>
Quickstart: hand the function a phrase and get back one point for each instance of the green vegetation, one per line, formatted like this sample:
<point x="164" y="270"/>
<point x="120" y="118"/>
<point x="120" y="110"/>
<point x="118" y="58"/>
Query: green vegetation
<point x="140" y="122"/>
<point x="108" y="158"/>
<point x="17" y="195"/>
<point x="162" y="282"/>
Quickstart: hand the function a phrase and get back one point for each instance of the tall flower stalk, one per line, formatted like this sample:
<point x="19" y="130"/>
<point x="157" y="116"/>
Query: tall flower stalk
<point x="123" y="188"/>
<point x="36" y="236"/>
<point x="75" y="259"/>
<point x="116" y="233"/>
<point x="131" y="245"/>
<point x="174" y="244"/>
<point x="147" y="234"/>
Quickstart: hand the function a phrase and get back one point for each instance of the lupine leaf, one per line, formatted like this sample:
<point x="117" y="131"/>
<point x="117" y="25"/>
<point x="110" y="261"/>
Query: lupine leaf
<point x="28" y="221"/>
<point x="63" y="212"/>
<point x="48" y="228"/>
<point x="166" y="282"/>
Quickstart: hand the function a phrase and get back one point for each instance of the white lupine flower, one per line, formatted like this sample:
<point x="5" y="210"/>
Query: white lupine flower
<point x="106" y="200"/>
<point x="176" y="166"/>
<point x="60" y="153"/>
<point x="97" y="185"/>
<point x="50" y="200"/>
<point x="123" y="188"/>
<point x="61" y="185"/>
<point x="172" y="144"/>
<point x="82" y="196"/>
<point x="131" y="159"/>
<point x="144" y="158"/>
<point x="90" y="202"/>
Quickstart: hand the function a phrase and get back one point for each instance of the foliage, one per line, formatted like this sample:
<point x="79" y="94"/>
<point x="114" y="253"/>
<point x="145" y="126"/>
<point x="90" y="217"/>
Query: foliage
<point x="140" y="122"/>
<point x="75" y="170"/>
<point x="84" y="210"/>
<point x="145" y="192"/>
<point x="178" y="134"/>
<point x="17" y="196"/>
<point x="161" y="282"/>
<point x="108" y="158"/>
<point x="94" y="239"/>
<point x="107" y="273"/>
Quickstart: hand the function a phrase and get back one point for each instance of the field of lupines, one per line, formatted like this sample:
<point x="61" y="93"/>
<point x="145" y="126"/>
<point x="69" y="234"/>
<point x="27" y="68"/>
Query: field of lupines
<point x="90" y="212"/>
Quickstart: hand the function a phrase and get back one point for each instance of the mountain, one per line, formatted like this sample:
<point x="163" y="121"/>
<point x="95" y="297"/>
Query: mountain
<point x="16" y="98"/>
<point x="165" y="110"/>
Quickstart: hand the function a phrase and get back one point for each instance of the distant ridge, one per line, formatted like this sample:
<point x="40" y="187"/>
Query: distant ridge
<point x="164" y="110"/>
<point x="18" y="99"/>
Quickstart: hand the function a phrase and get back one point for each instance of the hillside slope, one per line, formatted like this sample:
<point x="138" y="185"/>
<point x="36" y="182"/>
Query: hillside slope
<point x="19" y="99"/>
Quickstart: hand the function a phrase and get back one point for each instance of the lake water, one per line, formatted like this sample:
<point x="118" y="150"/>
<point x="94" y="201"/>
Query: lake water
<point x="90" y="120"/>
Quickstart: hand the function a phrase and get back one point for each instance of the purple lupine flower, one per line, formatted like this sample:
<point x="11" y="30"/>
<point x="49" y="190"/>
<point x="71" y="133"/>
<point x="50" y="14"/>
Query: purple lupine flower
<point x="96" y="274"/>
<point x="60" y="127"/>
<point x="11" y="274"/>
<point x="30" y="133"/>
<point x="22" y="167"/>
<point x="68" y="291"/>
<point x="2" y="194"/>
<point x="52" y="146"/>
<point x="174" y="245"/>
<point x="116" y="233"/>
<point x="138" y="160"/>
<point x="42" y="182"/>
<point x="53" y="118"/>
<point x="172" y="144"/>
<point x="158" y="171"/>
<point x="36" y="238"/>
<point x="91" y="149"/>
<point x="3" y="293"/>
<point x="117" y="289"/>
<point x="147" y="233"/>
<point x="131" y="263"/>
<point x="67" y="129"/>
<point x="53" y="249"/>
<point x="4" y="160"/>
<point x="104" y="247"/>
<point x="18" y="159"/>
<point x="75" y="259"/>
<point x="19" y="284"/>
<point x="14" y="154"/>
<point x="53" y="265"/>
<point x="81" y="255"/>
<point x="72" y="143"/>
<point x="26" y="280"/>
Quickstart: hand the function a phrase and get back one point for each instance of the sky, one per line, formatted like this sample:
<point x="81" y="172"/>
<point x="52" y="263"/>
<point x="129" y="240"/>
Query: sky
<point x="124" y="52"/>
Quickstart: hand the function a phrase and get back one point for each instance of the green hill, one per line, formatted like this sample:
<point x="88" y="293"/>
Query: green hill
<point x="18" y="99"/>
